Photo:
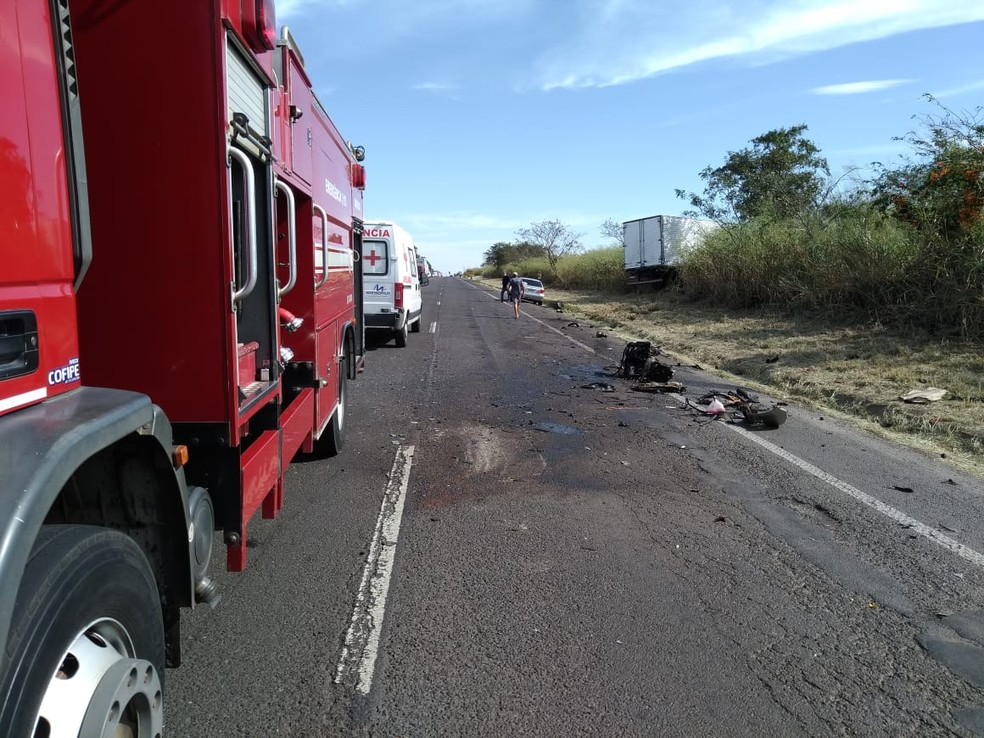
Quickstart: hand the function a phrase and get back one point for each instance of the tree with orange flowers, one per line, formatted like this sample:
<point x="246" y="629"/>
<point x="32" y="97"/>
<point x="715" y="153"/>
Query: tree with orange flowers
<point x="942" y="192"/>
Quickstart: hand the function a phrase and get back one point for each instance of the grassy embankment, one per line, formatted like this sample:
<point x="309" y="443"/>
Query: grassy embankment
<point x="844" y="319"/>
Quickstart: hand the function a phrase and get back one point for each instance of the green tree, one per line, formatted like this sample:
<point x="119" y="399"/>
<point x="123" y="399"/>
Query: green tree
<point x="497" y="254"/>
<point x="782" y="175"/>
<point x="553" y="238"/>
<point x="502" y="253"/>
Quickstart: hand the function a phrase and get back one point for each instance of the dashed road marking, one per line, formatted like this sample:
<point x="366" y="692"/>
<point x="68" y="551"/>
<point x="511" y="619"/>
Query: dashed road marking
<point x="433" y="328"/>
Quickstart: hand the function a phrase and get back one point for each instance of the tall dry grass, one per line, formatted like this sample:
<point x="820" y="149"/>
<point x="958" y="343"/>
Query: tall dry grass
<point x="861" y="263"/>
<point x="863" y="260"/>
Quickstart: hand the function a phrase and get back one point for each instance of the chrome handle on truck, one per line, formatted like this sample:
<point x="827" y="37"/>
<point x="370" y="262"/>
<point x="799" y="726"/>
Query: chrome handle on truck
<point x="324" y="244"/>
<point x="251" y="257"/>
<point x="291" y="237"/>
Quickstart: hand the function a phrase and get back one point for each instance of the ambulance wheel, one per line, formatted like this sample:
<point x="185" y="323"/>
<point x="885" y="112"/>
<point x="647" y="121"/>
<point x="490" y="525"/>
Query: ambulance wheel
<point x="401" y="337"/>
<point x="86" y="643"/>
<point x="333" y="437"/>
<point x="415" y="326"/>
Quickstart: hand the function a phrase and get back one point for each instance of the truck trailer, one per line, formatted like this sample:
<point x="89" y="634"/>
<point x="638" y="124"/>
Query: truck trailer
<point x="180" y="313"/>
<point x="654" y="246"/>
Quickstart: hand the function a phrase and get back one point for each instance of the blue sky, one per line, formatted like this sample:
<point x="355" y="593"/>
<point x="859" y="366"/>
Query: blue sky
<point x="480" y="117"/>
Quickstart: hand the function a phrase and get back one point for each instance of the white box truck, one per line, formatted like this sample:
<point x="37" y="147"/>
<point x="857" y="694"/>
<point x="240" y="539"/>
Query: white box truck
<point x="654" y="245"/>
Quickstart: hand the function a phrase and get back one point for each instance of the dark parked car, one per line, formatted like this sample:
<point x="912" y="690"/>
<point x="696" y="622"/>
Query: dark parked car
<point x="534" y="290"/>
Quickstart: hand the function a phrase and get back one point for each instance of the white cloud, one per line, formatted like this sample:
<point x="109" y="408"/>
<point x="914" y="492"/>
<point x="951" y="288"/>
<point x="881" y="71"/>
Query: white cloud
<point x="960" y="90"/>
<point x="452" y="223"/>
<point x="402" y="17"/>
<point x="291" y="8"/>
<point x="858" y="88"/>
<point x="438" y="88"/>
<point x="631" y="40"/>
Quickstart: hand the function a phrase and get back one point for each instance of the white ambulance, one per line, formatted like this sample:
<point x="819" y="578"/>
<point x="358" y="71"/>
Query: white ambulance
<point x="391" y="284"/>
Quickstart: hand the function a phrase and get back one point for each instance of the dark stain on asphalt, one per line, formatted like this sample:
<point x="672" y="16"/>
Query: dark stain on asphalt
<point x="564" y="430"/>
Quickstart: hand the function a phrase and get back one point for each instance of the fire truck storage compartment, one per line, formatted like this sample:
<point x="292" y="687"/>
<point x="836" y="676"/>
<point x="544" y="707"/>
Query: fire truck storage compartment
<point x="170" y="213"/>
<point x="301" y="119"/>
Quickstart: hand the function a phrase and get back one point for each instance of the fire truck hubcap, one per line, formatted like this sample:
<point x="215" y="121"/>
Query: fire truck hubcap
<point x="100" y="689"/>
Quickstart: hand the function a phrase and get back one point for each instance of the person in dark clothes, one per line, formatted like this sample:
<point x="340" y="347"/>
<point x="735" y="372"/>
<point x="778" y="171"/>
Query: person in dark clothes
<point x="505" y="287"/>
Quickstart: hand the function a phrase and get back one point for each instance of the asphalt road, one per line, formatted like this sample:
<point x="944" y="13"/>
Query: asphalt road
<point x="551" y="559"/>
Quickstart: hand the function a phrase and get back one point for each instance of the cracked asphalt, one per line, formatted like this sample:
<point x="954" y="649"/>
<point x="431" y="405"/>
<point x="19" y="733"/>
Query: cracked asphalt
<point x="576" y="562"/>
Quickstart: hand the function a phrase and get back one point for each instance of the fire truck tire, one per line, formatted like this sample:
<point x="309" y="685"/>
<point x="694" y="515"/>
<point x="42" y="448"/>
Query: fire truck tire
<point x="333" y="438"/>
<point x="401" y="337"/>
<point x="86" y="643"/>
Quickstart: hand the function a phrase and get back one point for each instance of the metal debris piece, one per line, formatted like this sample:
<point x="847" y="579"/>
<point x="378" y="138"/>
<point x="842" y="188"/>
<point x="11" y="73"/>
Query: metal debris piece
<point x="603" y="386"/>
<point x="772" y="418"/>
<point x="659" y="387"/>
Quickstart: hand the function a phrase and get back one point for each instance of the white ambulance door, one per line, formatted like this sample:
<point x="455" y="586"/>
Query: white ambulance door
<point x="416" y="299"/>
<point x="377" y="274"/>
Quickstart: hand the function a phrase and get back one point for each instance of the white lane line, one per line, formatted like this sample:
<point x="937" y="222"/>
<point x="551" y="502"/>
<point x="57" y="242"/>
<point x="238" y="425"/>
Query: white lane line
<point x="433" y="328"/>
<point x="361" y="647"/>
<point x="933" y="534"/>
<point x="898" y="516"/>
<point x="572" y="340"/>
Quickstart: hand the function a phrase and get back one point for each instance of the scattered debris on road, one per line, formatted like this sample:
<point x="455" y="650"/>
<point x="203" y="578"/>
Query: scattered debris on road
<point x="603" y="386"/>
<point x="772" y="418"/>
<point x="658" y="387"/>
<point x="639" y="362"/>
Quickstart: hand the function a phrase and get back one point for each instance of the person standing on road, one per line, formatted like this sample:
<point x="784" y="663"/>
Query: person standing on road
<point x="505" y="287"/>
<point x="516" y="291"/>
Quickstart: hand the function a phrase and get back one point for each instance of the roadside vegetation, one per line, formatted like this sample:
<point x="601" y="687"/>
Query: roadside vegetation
<point x="843" y="294"/>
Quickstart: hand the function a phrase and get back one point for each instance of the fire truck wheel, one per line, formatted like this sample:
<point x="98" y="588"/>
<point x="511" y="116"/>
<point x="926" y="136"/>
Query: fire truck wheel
<point x="333" y="437"/>
<point x="401" y="337"/>
<point x="87" y="641"/>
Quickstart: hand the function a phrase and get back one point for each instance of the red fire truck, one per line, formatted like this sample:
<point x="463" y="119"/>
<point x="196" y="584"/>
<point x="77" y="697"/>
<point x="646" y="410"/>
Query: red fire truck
<point x="180" y="311"/>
